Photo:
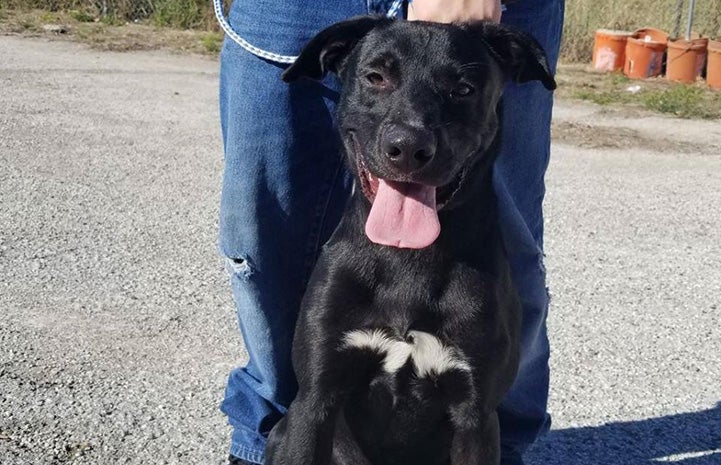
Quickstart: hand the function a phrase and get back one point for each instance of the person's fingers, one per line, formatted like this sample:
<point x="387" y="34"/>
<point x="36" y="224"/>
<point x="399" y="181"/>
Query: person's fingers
<point x="454" y="11"/>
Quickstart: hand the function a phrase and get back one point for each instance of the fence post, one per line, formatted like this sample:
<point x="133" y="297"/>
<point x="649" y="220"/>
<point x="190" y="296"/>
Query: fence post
<point x="691" y="5"/>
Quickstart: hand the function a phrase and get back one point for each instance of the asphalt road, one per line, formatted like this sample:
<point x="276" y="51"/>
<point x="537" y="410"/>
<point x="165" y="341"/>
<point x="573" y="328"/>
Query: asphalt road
<point x="116" y="324"/>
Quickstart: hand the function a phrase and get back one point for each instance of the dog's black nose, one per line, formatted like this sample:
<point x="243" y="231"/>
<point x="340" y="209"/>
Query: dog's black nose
<point x="408" y="148"/>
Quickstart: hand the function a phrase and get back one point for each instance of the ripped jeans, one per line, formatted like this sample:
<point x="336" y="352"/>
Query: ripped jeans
<point x="285" y="188"/>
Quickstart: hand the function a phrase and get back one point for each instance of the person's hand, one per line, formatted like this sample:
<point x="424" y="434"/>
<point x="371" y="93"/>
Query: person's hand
<point x="454" y="11"/>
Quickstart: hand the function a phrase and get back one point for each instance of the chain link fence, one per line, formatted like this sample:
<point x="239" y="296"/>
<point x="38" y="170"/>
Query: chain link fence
<point x="583" y="17"/>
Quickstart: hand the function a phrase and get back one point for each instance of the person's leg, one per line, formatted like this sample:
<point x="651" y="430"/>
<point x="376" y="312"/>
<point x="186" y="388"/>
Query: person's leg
<point x="519" y="184"/>
<point x="283" y="191"/>
<point x="284" y="188"/>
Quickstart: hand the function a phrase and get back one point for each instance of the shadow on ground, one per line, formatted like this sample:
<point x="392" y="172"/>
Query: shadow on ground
<point x="685" y="439"/>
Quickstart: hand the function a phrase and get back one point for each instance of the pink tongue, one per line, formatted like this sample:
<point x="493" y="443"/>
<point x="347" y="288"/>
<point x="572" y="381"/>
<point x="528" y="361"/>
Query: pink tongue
<point x="403" y="215"/>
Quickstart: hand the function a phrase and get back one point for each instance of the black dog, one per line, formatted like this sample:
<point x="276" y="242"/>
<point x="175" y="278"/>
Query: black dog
<point x="408" y="337"/>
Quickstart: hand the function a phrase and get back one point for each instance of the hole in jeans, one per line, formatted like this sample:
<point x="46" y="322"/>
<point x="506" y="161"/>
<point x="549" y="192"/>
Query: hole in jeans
<point x="239" y="266"/>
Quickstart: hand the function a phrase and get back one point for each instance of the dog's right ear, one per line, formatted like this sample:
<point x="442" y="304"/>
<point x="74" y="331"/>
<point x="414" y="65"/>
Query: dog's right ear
<point x="328" y="49"/>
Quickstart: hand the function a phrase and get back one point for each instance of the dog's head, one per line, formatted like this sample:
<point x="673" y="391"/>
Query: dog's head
<point x="418" y="110"/>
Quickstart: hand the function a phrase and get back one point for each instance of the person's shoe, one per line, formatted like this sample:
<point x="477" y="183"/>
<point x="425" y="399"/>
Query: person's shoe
<point x="232" y="460"/>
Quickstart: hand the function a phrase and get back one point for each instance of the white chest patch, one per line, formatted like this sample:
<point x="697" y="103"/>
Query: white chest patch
<point x="428" y="354"/>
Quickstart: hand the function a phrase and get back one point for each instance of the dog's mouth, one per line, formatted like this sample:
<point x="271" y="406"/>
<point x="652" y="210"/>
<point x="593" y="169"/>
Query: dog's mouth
<point x="370" y="183"/>
<point x="403" y="214"/>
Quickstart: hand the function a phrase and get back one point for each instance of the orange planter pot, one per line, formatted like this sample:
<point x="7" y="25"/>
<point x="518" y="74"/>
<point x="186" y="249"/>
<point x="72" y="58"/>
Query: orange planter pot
<point x="713" y="70"/>
<point x="609" y="49"/>
<point x="644" y="53"/>
<point x="685" y="59"/>
<point x="652" y="34"/>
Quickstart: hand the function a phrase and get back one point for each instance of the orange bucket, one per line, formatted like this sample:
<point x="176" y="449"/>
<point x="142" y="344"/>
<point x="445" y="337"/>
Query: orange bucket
<point x="609" y="49"/>
<point x="685" y="59"/>
<point x="644" y="53"/>
<point x="655" y="35"/>
<point x="713" y="70"/>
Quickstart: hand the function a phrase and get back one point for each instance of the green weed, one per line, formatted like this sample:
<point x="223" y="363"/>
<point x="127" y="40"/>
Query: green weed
<point x="111" y="20"/>
<point x="81" y="16"/>
<point x="212" y="42"/>
<point x="183" y="14"/>
<point x="47" y="17"/>
<point x="685" y="101"/>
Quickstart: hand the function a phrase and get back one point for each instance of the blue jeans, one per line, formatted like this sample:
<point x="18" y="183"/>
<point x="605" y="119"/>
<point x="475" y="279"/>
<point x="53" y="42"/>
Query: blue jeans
<point x="285" y="187"/>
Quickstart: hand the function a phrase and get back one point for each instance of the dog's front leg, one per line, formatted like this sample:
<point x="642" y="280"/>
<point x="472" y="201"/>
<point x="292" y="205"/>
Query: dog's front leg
<point x="326" y="375"/>
<point x="477" y="444"/>
<point x="304" y="436"/>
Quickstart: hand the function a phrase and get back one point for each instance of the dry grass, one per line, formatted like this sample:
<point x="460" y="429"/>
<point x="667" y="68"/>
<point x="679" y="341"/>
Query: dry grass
<point x="179" y="14"/>
<point x="104" y="36"/>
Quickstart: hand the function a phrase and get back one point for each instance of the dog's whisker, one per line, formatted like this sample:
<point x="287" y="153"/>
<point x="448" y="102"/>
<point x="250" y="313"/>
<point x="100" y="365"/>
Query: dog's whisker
<point x="475" y="64"/>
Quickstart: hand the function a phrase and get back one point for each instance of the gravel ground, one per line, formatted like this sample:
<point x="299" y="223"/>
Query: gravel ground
<point x="116" y="324"/>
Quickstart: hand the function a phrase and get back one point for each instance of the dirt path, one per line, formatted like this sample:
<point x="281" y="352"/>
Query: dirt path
<point x="116" y="325"/>
<point x="591" y="126"/>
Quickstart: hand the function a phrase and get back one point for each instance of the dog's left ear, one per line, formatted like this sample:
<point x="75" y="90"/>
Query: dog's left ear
<point x="519" y="54"/>
<point x="328" y="49"/>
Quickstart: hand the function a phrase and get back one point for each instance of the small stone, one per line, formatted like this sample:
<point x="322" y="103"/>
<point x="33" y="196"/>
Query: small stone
<point x="56" y="28"/>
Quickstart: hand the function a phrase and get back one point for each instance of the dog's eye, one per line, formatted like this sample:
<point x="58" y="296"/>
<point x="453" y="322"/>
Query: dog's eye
<point x="375" y="79"/>
<point x="462" y="90"/>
